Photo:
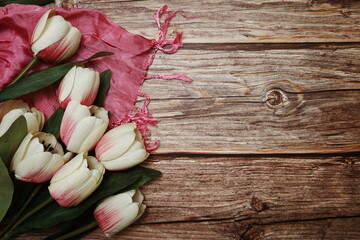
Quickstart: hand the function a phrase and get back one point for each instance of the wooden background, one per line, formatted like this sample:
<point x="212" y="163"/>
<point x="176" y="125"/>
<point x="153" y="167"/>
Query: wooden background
<point x="265" y="143"/>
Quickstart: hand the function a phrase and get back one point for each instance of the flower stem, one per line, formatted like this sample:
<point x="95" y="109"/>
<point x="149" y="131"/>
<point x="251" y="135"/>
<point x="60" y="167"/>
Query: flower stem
<point x="78" y="231"/>
<point x="17" y="215"/>
<point x="28" y="67"/>
<point x="27" y="215"/>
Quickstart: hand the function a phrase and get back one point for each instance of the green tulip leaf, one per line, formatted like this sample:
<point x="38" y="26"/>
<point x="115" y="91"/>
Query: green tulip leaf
<point x="105" y="78"/>
<point x="6" y="189"/>
<point x="41" y="79"/>
<point x="113" y="182"/>
<point x="11" y="140"/>
<point x="35" y="2"/>
<point x="53" y="124"/>
<point x="76" y="228"/>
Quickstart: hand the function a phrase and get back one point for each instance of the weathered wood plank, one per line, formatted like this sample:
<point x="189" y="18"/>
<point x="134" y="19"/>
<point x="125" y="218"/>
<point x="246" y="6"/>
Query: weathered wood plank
<point x="283" y="197"/>
<point x="240" y="21"/>
<point x="249" y="70"/>
<point x="326" y="229"/>
<point x="307" y="123"/>
<point x="267" y="189"/>
<point x="225" y="106"/>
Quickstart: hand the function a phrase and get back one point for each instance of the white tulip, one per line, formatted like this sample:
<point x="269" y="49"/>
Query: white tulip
<point x="38" y="157"/>
<point x="116" y="212"/>
<point x="35" y="119"/>
<point x="54" y="39"/>
<point x="81" y="84"/>
<point x="121" y="148"/>
<point x="76" y="180"/>
<point x="82" y="126"/>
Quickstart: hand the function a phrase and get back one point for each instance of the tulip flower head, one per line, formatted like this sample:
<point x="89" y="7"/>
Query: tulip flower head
<point x="81" y="84"/>
<point x="115" y="213"/>
<point x="38" y="157"/>
<point x="121" y="148"/>
<point x="35" y="119"/>
<point x="54" y="39"/>
<point x="82" y="126"/>
<point x="76" y="180"/>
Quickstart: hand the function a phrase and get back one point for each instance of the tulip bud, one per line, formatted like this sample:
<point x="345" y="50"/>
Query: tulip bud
<point x="54" y="39"/>
<point x="34" y="118"/>
<point x="76" y="180"/>
<point x="121" y="148"/>
<point x="38" y="157"/>
<point x="81" y="84"/>
<point x="115" y="213"/>
<point x="82" y="126"/>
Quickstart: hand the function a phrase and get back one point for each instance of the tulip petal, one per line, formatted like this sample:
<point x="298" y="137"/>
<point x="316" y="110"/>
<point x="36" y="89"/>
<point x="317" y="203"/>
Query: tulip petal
<point x="11" y="105"/>
<point x="72" y="42"/>
<point x="33" y="147"/>
<point x="116" y="212"/>
<point x="39" y="116"/>
<point x="142" y="208"/>
<point x="80" y="133"/>
<point x="91" y="140"/>
<point x="67" y="192"/>
<point x="76" y="163"/>
<point x="41" y="24"/>
<point x="134" y="156"/>
<point x="32" y="122"/>
<point x="55" y="29"/>
<point x="115" y="142"/>
<point x="138" y="196"/>
<point x="67" y="84"/>
<point x="79" y="184"/>
<point x="68" y="156"/>
<point x="73" y="114"/>
<point x="86" y="86"/>
<point x="112" y="222"/>
<point x="20" y="152"/>
<point x="63" y="48"/>
<point x="94" y="164"/>
<point x="8" y="120"/>
<point x="38" y="167"/>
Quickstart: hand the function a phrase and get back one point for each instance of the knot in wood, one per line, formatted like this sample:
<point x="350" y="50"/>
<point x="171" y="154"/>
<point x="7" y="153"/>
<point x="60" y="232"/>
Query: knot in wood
<point x="258" y="205"/>
<point x="275" y="98"/>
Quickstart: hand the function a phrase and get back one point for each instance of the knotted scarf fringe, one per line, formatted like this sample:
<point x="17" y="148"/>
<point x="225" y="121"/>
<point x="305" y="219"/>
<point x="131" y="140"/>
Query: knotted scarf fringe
<point x="141" y="115"/>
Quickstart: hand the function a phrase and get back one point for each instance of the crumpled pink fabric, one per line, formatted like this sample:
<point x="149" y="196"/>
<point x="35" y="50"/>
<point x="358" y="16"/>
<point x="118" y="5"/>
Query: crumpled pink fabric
<point x="132" y="56"/>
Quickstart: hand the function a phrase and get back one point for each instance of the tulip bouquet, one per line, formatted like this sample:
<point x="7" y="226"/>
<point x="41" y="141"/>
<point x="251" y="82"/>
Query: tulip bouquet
<point x="72" y="169"/>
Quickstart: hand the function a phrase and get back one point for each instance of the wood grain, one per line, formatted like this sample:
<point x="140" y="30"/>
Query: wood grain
<point x="232" y="21"/>
<point x="228" y="107"/>
<point x="310" y="123"/>
<point x="264" y="143"/>
<point x="238" y="197"/>
<point x="266" y="189"/>
<point x="325" y="229"/>
<point x="250" y="70"/>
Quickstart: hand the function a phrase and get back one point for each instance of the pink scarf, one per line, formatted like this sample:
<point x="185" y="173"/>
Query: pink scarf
<point x="133" y="54"/>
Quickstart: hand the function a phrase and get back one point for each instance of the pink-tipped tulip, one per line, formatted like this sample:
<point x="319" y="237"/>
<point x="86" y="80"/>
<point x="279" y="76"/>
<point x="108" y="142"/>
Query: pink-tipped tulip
<point x="38" y="157"/>
<point x="81" y="84"/>
<point x="54" y="39"/>
<point x="35" y="119"/>
<point x="82" y="126"/>
<point x="121" y="148"/>
<point x="115" y="213"/>
<point x="76" y="180"/>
